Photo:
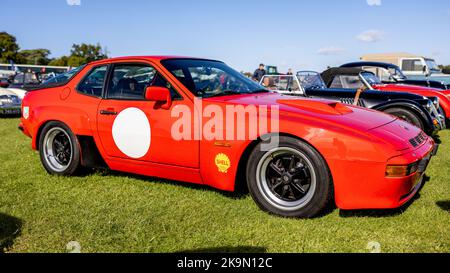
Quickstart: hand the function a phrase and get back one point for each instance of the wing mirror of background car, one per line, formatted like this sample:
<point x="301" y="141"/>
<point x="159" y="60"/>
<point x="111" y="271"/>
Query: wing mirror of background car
<point x="160" y="95"/>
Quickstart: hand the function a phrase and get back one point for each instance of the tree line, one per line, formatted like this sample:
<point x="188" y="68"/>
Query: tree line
<point x="445" y="69"/>
<point x="79" y="53"/>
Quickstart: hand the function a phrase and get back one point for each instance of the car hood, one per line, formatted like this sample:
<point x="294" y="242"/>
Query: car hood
<point x="353" y="117"/>
<point x="419" y="90"/>
<point x="19" y="92"/>
<point x="4" y="91"/>
<point x="405" y="87"/>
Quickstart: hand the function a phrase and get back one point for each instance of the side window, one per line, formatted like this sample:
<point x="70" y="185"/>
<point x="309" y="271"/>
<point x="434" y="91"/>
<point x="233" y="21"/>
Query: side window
<point x="92" y="84"/>
<point x="352" y="82"/>
<point x="129" y="81"/>
<point x="385" y="75"/>
<point x="412" y="65"/>
<point x="336" y="83"/>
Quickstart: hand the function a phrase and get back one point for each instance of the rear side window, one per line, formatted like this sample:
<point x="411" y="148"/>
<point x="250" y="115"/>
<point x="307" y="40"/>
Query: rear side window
<point x="336" y="83"/>
<point x="344" y="81"/>
<point x="92" y="84"/>
<point x="412" y="65"/>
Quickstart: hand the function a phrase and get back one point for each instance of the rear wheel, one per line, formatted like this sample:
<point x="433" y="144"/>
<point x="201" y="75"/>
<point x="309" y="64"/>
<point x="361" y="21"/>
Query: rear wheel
<point x="59" y="150"/>
<point x="291" y="180"/>
<point x="406" y="115"/>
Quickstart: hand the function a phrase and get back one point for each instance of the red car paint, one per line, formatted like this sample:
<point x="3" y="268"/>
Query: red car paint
<point x="443" y="95"/>
<point x="356" y="143"/>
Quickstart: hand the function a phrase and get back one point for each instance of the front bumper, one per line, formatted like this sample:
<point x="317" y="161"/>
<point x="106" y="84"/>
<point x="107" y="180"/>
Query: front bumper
<point x="417" y="178"/>
<point x="369" y="188"/>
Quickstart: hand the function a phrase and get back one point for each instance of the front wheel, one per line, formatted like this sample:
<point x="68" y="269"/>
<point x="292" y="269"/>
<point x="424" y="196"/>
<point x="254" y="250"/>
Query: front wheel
<point x="59" y="150"/>
<point x="291" y="180"/>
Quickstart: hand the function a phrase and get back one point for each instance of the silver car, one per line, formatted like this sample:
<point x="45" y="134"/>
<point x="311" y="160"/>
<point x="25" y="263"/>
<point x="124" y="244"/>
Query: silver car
<point x="10" y="103"/>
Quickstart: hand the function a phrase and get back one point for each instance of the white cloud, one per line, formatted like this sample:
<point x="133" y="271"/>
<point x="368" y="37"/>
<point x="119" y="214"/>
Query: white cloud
<point x="330" y="50"/>
<point x="73" y="2"/>
<point x="374" y="2"/>
<point x="370" y="36"/>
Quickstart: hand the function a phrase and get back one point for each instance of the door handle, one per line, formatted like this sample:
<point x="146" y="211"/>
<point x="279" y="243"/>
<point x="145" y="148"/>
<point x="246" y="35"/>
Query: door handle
<point x="108" y="112"/>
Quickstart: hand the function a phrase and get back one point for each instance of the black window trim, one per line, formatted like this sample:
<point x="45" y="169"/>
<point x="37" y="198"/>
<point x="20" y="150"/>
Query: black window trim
<point x="87" y="75"/>
<point x="111" y="71"/>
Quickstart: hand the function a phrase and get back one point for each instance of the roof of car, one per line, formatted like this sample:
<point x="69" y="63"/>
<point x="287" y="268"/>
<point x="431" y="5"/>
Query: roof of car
<point x="154" y="58"/>
<point x="373" y="64"/>
<point x="329" y="74"/>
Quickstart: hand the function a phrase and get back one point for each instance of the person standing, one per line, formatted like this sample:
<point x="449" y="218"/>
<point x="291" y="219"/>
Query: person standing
<point x="289" y="79"/>
<point x="259" y="73"/>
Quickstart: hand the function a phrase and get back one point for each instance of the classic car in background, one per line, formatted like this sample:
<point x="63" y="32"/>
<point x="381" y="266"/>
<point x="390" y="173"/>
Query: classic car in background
<point x="413" y="66"/>
<point x="417" y="110"/>
<point x="25" y="81"/>
<point x="9" y="103"/>
<point x="4" y="82"/>
<point x="375" y="83"/>
<point x="61" y="78"/>
<point x="5" y="77"/>
<point x="392" y="74"/>
<point x="120" y="112"/>
<point x="19" y="92"/>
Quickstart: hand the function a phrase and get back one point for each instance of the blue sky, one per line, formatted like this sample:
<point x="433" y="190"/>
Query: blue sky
<point x="287" y="33"/>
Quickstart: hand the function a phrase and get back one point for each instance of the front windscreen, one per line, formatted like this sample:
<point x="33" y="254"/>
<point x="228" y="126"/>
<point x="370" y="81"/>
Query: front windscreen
<point x="206" y="78"/>
<point x="432" y="65"/>
<point x="396" y="73"/>
<point x="286" y="83"/>
<point x="311" y="80"/>
<point x="371" y="78"/>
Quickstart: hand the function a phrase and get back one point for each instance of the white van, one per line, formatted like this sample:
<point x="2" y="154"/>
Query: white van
<point x="413" y="66"/>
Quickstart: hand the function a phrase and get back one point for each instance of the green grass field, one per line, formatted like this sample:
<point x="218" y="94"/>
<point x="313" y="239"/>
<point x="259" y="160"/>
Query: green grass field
<point x="112" y="212"/>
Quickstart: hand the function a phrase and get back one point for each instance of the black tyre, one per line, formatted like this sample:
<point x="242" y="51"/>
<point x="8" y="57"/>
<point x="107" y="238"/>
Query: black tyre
<point x="291" y="180"/>
<point x="59" y="149"/>
<point x="406" y="115"/>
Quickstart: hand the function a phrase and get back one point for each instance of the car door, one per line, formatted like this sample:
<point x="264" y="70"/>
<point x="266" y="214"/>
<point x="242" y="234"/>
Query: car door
<point x="133" y="128"/>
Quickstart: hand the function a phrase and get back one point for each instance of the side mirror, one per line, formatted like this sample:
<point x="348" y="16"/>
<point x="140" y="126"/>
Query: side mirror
<point x="160" y="95"/>
<point x="425" y="71"/>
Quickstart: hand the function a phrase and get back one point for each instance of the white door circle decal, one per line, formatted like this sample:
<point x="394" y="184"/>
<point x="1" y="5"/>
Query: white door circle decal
<point x="132" y="133"/>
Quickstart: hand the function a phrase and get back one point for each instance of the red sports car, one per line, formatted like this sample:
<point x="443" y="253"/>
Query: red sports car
<point x="443" y="95"/>
<point x="199" y="121"/>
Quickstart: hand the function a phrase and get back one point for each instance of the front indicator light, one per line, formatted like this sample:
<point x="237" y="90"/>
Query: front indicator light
<point x="401" y="170"/>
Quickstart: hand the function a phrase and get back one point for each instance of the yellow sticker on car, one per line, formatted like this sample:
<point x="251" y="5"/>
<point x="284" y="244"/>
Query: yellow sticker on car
<point x="222" y="162"/>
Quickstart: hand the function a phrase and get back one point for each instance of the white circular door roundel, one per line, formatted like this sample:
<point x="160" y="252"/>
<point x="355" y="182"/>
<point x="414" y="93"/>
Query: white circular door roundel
<point x="132" y="133"/>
